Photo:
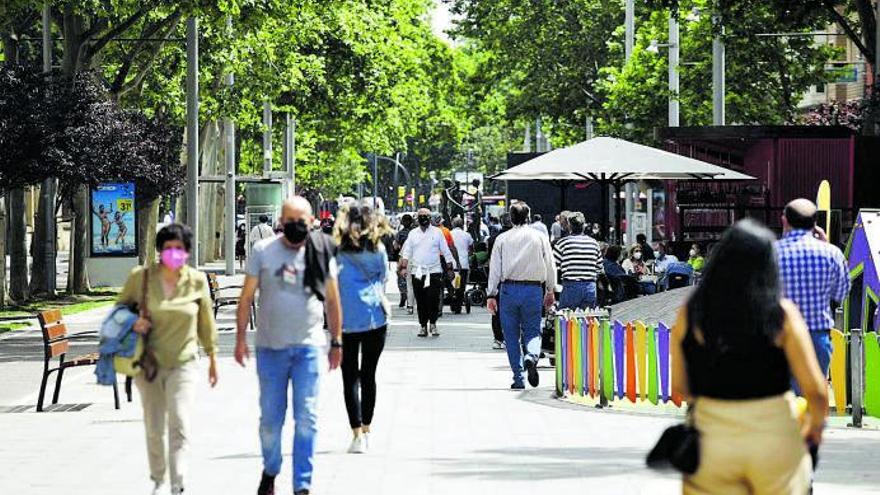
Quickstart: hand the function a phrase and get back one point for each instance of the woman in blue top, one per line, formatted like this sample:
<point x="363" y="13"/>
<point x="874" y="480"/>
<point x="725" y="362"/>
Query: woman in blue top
<point x="363" y="269"/>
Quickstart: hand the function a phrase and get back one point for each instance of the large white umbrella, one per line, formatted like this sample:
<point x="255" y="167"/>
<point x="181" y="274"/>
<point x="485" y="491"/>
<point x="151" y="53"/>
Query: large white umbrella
<point x="612" y="162"/>
<point x="605" y="159"/>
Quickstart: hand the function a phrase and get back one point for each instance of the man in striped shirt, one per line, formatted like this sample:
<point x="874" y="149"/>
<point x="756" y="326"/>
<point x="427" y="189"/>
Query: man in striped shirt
<point x="580" y="261"/>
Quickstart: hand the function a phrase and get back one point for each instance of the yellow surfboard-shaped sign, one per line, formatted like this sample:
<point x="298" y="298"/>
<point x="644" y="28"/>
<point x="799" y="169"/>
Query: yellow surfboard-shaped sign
<point x="823" y="202"/>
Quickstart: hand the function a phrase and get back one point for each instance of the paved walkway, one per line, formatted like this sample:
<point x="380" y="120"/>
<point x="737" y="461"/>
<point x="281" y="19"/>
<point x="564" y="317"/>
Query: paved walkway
<point x="446" y="423"/>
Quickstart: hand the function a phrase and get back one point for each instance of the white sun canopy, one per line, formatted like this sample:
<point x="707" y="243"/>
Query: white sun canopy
<point x="605" y="159"/>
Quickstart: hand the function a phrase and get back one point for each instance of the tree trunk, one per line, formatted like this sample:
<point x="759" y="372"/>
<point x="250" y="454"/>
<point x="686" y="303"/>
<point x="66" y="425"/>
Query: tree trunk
<point x="2" y="252"/>
<point x="147" y="219"/>
<point x="38" y="250"/>
<point x="78" y="278"/>
<point x="18" y="283"/>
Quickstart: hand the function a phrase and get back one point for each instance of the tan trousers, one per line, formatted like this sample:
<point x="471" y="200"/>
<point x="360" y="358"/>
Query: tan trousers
<point x="169" y="396"/>
<point x="749" y="447"/>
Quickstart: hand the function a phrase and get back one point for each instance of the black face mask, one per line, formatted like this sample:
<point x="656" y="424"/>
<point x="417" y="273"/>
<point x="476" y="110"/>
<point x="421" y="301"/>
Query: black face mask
<point x="424" y="220"/>
<point x="296" y="231"/>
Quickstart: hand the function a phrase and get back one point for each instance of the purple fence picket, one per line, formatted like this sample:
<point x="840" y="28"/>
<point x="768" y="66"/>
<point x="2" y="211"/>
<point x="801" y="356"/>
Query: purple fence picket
<point x="618" y="356"/>
<point x="663" y="357"/>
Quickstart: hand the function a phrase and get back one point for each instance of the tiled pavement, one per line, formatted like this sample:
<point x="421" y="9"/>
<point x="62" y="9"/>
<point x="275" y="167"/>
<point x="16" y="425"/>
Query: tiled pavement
<point x="446" y="423"/>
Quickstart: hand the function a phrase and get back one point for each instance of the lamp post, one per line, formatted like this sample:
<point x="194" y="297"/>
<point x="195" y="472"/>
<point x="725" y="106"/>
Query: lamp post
<point x="718" y="56"/>
<point x="192" y="134"/>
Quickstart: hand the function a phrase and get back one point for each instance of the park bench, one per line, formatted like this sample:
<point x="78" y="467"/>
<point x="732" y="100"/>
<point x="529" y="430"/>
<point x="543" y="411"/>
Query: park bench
<point x="220" y="301"/>
<point x="56" y="343"/>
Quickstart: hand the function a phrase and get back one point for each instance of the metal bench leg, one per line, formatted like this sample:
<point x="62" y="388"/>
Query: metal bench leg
<point x="128" y="388"/>
<point x="57" y="386"/>
<point x="42" y="391"/>
<point x="115" y="396"/>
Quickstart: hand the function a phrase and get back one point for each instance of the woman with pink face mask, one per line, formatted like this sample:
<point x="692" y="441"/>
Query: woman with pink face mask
<point x="179" y="316"/>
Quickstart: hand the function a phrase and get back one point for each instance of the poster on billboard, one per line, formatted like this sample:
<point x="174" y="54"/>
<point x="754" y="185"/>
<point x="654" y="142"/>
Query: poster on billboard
<point x="113" y="226"/>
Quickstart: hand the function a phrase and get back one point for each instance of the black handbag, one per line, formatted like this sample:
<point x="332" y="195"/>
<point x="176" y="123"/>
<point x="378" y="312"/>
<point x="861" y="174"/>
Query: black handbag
<point x="678" y="448"/>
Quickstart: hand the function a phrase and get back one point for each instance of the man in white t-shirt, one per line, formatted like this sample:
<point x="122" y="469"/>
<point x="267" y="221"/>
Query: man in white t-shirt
<point x="420" y="260"/>
<point x="261" y="231"/>
<point x="464" y="244"/>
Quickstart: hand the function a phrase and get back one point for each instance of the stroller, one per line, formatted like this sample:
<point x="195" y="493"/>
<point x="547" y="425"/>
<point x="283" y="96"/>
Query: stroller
<point x="479" y="276"/>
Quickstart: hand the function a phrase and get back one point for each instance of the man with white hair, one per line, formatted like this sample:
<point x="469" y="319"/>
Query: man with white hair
<point x="296" y="275"/>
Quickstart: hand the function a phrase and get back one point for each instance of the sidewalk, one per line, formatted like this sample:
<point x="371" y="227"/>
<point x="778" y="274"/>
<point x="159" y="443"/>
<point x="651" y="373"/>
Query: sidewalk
<point x="446" y="423"/>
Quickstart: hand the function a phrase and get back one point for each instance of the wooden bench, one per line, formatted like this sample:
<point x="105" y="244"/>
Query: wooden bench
<point x="220" y="301"/>
<point x="56" y="343"/>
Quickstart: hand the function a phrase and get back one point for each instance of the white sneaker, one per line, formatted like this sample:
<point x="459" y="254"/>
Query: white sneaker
<point x="433" y="329"/>
<point x="358" y="445"/>
<point x="498" y="345"/>
<point x="157" y="488"/>
<point x="176" y="490"/>
<point x="366" y="441"/>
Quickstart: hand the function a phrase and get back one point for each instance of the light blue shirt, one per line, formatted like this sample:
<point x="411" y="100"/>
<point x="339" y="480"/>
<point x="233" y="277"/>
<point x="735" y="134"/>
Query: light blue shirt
<point x="362" y="278"/>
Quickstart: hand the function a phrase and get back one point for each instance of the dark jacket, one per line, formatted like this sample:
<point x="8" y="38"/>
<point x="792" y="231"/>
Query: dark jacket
<point x="320" y="249"/>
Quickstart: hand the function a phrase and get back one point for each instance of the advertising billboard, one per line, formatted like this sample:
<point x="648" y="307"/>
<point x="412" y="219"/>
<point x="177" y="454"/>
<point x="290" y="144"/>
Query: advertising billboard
<point x="113" y="226"/>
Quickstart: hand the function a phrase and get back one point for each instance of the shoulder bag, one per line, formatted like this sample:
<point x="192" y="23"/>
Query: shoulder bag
<point x="678" y="448"/>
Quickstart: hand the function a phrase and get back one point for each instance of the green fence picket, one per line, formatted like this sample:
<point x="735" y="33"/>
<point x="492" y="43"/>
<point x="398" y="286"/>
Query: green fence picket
<point x="872" y="375"/>
<point x="652" y="364"/>
<point x="607" y="362"/>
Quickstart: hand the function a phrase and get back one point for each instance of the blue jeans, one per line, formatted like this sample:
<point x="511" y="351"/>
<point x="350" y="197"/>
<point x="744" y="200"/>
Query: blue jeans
<point x="578" y="294"/>
<point x="521" y="324"/>
<point x="822" y="345"/>
<point x="299" y="366"/>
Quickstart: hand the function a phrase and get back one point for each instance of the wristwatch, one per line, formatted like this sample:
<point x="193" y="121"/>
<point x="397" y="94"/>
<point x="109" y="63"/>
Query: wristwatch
<point x="336" y="343"/>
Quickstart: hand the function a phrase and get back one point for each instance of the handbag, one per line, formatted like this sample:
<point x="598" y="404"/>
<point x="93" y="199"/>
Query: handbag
<point x="678" y="448"/>
<point x="143" y="360"/>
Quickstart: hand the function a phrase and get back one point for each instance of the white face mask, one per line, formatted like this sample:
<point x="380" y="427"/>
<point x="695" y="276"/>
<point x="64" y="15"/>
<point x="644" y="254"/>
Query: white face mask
<point x="637" y="256"/>
<point x="693" y="252"/>
<point x="657" y="254"/>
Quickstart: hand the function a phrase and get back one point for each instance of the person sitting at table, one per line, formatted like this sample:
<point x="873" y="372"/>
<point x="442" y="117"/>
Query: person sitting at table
<point x="662" y="260"/>
<point x="614" y="273"/>
<point x="696" y="259"/>
<point x="635" y="267"/>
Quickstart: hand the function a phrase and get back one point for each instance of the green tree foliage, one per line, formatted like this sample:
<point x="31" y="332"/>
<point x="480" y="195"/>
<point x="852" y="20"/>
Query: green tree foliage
<point x="564" y="61"/>
<point x="766" y="76"/>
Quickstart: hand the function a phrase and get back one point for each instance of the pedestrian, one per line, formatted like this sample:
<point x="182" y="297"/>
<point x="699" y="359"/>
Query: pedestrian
<point x="178" y="317"/>
<point x="497" y="333"/>
<point x="695" y="258"/>
<point x="523" y="273"/>
<point x="240" y="242"/>
<point x="363" y="270"/>
<point x="464" y="246"/>
<point x="538" y="224"/>
<point x="261" y="231"/>
<point x="580" y="263"/>
<point x="296" y="274"/>
<point x="741" y="342"/>
<point x="494" y="225"/>
<point x="406" y="223"/>
<point x="814" y="274"/>
<point x="647" y="252"/>
<point x="437" y="221"/>
<point x="420" y="261"/>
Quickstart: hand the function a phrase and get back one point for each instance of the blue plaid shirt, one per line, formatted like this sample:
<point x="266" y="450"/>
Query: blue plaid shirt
<point x="814" y="273"/>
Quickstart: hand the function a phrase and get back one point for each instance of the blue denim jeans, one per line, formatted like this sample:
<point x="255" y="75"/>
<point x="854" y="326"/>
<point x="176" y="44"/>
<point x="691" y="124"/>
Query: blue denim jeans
<point x="578" y="294"/>
<point x="822" y="345"/>
<point x="299" y="366"/>
<point x="521" y="324"/>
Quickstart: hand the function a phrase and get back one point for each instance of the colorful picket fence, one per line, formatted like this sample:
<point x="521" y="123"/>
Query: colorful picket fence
<point x="598" y="359"/>
<point x="633" y="361"/>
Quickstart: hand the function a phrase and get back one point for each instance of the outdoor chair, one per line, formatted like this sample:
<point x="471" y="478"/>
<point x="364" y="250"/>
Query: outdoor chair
<point x="220" y="301"/>
<point x="56" y="343"/>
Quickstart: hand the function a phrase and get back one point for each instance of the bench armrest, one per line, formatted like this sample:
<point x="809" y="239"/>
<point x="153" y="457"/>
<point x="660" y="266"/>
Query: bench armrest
<point x="83" y="335"/>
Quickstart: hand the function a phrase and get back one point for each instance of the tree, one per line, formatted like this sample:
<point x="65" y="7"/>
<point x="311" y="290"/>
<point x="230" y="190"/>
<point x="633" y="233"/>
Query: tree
<point x="564" y="61"/>
<point x="767" y="77"/>
<point x="71" y="129"/>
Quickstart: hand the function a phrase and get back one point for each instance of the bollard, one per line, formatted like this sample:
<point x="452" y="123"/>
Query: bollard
<point x="857" y="366"/>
